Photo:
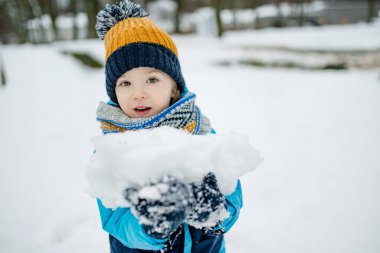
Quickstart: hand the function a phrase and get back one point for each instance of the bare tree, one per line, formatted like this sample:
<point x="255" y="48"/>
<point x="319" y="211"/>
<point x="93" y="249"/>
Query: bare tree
<point x="253" y="4"/>
<point x="3" y="80"/>
<point x="73" y="10"/>
<point x="371" y="10"/>
<point x="38" y="30"/>
<point x="50" y="7"/>
<point x="177" y="16"/>
<point x="92" y="8"/>
<point x="279" y="22"/>
<point x="299" y="10"/>
<point x="6" y="25"/>
<point x="219" y="24"/>
<point x="13" y="18"/>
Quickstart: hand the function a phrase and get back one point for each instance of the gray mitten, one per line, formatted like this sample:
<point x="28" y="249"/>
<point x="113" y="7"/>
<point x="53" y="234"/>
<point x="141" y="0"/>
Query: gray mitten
<point x="207" y="205"/>
<point x="160" y="206"/>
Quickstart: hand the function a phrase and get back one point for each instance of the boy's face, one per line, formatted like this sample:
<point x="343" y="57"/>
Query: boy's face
<point x="144" y="92"/>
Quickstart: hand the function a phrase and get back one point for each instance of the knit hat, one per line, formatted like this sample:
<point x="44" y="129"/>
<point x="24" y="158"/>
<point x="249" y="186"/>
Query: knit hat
<point x="132" y="40"/>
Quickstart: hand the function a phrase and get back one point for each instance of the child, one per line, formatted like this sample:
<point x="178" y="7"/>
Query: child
<point x="146" y="90"/>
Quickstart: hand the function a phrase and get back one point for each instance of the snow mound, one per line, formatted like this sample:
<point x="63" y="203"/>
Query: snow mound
<point x="134" y="158"/>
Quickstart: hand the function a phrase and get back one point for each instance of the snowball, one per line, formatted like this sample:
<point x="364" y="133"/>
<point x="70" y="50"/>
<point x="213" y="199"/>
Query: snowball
<point x="134" y="158"/>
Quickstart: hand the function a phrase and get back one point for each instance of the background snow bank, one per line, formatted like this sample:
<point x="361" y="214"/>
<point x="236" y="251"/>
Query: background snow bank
<point x="360" y="36"/>
<point x="135" y="158"/>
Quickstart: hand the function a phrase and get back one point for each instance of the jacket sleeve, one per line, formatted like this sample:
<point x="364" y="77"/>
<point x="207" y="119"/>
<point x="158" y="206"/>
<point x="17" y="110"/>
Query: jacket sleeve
<point x="124" y="226"/>
<point x="234" y="203"/>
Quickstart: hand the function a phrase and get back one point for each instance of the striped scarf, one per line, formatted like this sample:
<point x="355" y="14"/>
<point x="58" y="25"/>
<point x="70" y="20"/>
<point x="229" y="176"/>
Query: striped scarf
<point x="183" y="114"/>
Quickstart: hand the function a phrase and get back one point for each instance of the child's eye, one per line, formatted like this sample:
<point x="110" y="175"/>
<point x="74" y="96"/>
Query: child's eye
<point x="124" y="83"/>
<point x="152" y="80"/>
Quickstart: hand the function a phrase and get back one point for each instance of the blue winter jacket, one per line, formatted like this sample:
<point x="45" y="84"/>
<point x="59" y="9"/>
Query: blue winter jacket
<point x="126" y="235"/>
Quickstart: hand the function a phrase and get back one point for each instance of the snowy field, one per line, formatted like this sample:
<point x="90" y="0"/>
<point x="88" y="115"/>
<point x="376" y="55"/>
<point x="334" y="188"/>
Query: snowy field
<point x="318" y="189"/>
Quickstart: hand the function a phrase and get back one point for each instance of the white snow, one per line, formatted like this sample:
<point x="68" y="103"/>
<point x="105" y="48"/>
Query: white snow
<point x="287" y="9"/>
<point x="153" y="192"/>
<point x="344" y="37"/>
<point x="135" y="158"/>
<point x="317" y="191"/>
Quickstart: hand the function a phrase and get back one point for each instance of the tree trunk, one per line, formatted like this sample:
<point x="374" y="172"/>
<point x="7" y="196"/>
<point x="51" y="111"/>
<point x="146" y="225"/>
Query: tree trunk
<point x="20" y="14"/>
<point x="235" y="14"/>
<point x="92" y="9"/>
<point x="73" y="10"/>
<point x="279" y="21"/>
<point x="218" y="9"/>
<point x="40" y="32"/>
<point x="301" y="14"/>
<point x="3" y="80"/>
<point x="50" y="7"/>
<point x="177" y="18"/>
<point x="371" y="10"/>
<point x="6" y="25"/>
<point x="257" y="20"/>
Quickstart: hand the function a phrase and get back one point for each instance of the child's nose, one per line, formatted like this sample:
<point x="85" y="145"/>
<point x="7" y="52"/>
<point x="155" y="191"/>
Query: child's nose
<point x="139" y="93"/>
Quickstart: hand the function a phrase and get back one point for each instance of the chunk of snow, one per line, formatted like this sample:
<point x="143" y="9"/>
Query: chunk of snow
<point x="134" y="158"/>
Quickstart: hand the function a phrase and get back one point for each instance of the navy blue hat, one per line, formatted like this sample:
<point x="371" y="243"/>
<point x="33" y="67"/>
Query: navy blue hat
<point x="132" y="40"/>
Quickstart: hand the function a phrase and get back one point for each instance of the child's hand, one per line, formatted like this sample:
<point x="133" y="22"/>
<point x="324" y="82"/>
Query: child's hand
<point x="160" y="206"/>
<point x="207" y="205"/>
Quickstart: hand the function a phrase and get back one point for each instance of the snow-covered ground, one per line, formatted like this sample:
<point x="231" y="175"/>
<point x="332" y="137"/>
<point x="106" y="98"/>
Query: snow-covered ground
<point x="344" y="37"/>
<point x="318" y="189"/>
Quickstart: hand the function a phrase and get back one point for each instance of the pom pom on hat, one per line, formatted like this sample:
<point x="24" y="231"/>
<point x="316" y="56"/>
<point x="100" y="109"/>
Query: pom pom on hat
<point x="113" y="13"/>
<point x="132" y="40"/>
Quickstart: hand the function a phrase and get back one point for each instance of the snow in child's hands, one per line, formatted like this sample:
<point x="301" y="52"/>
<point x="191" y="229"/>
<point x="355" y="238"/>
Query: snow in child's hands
<point x="135" y="158"/>
<point x="161" y="206"/>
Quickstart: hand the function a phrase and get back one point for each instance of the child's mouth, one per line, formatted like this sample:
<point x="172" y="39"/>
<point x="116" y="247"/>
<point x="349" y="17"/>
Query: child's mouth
<point x="142" y="110"/>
